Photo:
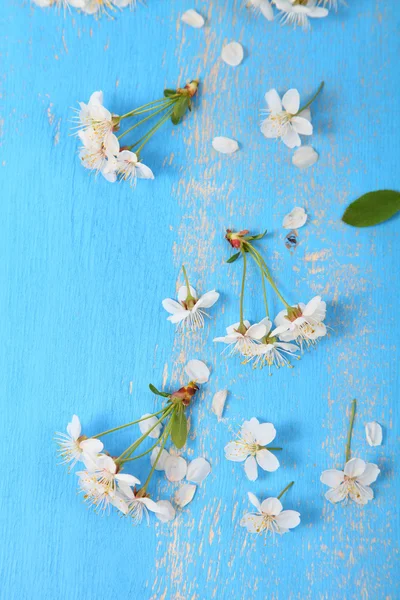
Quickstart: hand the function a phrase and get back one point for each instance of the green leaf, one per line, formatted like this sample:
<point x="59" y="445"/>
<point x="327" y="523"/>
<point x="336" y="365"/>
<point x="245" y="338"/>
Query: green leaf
<point x="259" y="236"/>
<point x="157" y="392"/>
<point x="179" y="427"/>
<point x="180" y="108"/>
<point x="372" y="208"/>
<point x="168" y="93"/>
<point x="233" y="257"/>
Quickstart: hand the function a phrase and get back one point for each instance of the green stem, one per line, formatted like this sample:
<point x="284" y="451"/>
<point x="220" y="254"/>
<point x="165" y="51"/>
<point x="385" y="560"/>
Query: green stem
<point x="272" y="448"/>
<point x="189" y="295"/>
<point x="128" y="424"/>
<point x="321" y="85"/>
<point x="152" y="131"/>
<point x="242" y="328"/>
<point x="142" y="454"/>
<point x="127" y="453"/>
<point x="153" y="468"/>
<point x="350" y="431"/>
<point x="289" y="485"/>
<point x="264" y="294"/>
<point x="263" y="266"/>
<point x="138" y="110"/>
<point x="153" y="114"/>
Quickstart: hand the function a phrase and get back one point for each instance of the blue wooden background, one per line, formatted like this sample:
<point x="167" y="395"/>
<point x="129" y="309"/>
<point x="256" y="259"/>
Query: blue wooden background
<point x="85" y="265"/>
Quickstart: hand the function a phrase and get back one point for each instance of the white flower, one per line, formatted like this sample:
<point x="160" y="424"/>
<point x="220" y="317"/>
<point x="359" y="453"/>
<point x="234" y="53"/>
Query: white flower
<point x="104" y="485"/>
<point x="262" y="6"/>
<point x="129" y="167"/>
<point x="250" y="447"/>
<point x="185" y="494"/>
<point x="269" y="517"/>
<point x="100" y="155"/>
<point x="138" y="506"/>
<point x="373" y="432"/>
<point x="175" y="467"/>
<point x="95" y="117"/>
<point x="92" y="7"/>
<point x="166" y="511"/>
<point x="147" y="424"/>
<point x="243" y="344"/>
<point x="295" y="219"/>
<point x="305" y="323"/>
<point x="72" y="447"/>
<point x="124" y="3"/>
<point x="198" y="470"/>
<point x="189" y="313"/>
<point x="284" y="119"/>
<point x="299" y="14"/>
<point x="353" y="481"/>
<point x="272" y="351"/>
<point x="304" y="157"/>
<point x="197" y="371"/>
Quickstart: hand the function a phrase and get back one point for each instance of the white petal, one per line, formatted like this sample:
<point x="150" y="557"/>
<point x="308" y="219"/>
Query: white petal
<point x="179" y="316"/>
<point x="304" y="157"/>
<point x="265" y="433"/>
<point x="250" y="468"/>
<point x="373" y="431"/>
<point x="144" y="172"/>
<point x="161" y="461"/>
<point x="232" y="54"/>
<point x="315" y="308"/>
<point x="225" y="145"/>
<point x="273" y="100"/>
<point x="318" y="12"/>
<point x="74" y="428"/>
<point x="332" y="477"/>
<point x="266" y="10"/>
<point x="127" y="479"/>
<point x="198" y="470"/>
<point x="192" y="18"/>
<point x="252" y="522"/>
<point x="218" y="403"/>
<point x="185" y="494"/>
<point x="182" y="293"/>
<point x="197" y="371"/>
<point x="150" y="504"/>
<point x="118" y="501"/>
<point x="291" y="101"/>
<point x="291" y="138"/>
<point x="288" y="519"/>
<point x="165" y="512"/>
<point x="254" y="500"/>
<point x="175" y="468"/>
<point x="361" y="495"/>
<point x="256" y="331"/>
<point x="147" y="424"/>
<point x="235" y="452"/>
<point x="172" y="306"/>
<point x="267" y="460"/>
<point x="271" y="506"/>
<point x="354" y="467"/>
<point x="207" y="300"/>
<point x="337" y="494"/>
<point x="269" y="129"/>
<point x="370" y="474"/>
<point x="91" y="446"/>
<point x="111" y="143"/>
<point x="295" y="219"/>
<point x="302" y="126"/>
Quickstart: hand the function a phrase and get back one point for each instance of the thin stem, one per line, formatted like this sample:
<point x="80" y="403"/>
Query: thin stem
<point x="135" y="111"/>
<point x="129" y="451"/>
<point x="241" y="324"/>
<point x="152" y="131"/>
<point x="321" y="85"/>
<point x="289" y="485"/>
<point x="128" y="424"/>
<point x="153" y="468"/>
<point x="153" y="114"/>
<point x="263" y="266"/>
<point x="272" y="448"/>
<point x="142" y="454"/>
<point x="189" y="295"/>
<point x="264" y="294"/>
<point x="350" y="431"/>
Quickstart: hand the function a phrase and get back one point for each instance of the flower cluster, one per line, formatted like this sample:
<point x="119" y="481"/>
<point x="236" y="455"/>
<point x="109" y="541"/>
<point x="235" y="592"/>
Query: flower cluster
<point x="103" y="482"/>
<point x="294" y="12"/>
<point x="101" y="149"/>
<point x="296" y="327"/>
<point x="89" y="7"/>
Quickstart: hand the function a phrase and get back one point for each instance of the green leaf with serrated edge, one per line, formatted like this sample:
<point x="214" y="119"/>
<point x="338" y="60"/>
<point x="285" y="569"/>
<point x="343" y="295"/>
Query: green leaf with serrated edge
<point x="372" y="208"/>
<point x="157" y="392"/>
<point x="257" y="237"/>
<point x="233" y="257"/>
<point x="179" y="427"/>
<point x="168" y="93"/>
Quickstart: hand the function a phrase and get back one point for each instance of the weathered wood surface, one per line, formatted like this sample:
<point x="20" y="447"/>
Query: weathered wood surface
<point x="85" y="265"/>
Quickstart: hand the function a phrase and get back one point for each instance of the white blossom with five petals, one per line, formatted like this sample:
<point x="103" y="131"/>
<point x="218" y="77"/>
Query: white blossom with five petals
<point x="191" y="317"/>
<point x="298" y="14"/>
<point x="73" y="447"/>
<point x="95" y="117"/>
<point x="353" y="482"/>
<point x="284" y="120"/>
<point x="271" y="351"/>
<point x="243" y="343"/>
<point x="131" y="169"/>
<point x="305" y="324"/>
<point x="270" y="517"/>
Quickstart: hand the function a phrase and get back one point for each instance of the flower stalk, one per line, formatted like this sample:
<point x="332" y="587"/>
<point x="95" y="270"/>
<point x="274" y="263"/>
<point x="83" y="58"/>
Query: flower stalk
<point x="289" y="485"/>
<point x="350" y="430"/>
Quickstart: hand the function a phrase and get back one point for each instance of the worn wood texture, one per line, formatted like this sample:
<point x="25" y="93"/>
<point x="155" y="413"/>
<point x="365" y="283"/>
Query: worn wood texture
<point x="85" y="265"/>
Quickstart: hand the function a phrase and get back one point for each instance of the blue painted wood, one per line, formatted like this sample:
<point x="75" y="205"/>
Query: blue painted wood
<point x="85" y="265"/>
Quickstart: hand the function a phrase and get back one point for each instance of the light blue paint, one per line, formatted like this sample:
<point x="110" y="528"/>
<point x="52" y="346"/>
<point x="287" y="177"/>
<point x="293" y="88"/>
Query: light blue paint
<point x="86" y="264"/>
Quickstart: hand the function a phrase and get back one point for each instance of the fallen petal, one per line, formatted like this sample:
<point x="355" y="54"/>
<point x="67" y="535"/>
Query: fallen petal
<point x="192" y="18"/>
<point x="197" y="371"/>
<point x="175" y="468"/>
<point x="198" y="470"/>
<point x="166" y="511"/>
<point x="295" y="219"/>
<point x="161" y="461"/>
<point x="185" y="494"/>
<point x="232" y="54"/>
<point x="304" y="157"/>
<point x="225" y="145"/>
<point x="218" y="403"/>
<point x="373" y="431"/>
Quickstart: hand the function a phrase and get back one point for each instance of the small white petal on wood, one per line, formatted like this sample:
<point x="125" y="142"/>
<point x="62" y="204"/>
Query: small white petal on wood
<point x="193" y="18"/>
<point x="218" y="403"/>
<point x="304" y="157"/>
<point x="175" y="468"/>
<point x="185" y="494"/>
<point x="232" y="54"/>
<point x="225" y="145"/>
<point x="373" y="432"/>
<point x="198" y="371"/>
<point x="295" y="219"/>
<point x="198" y="470"/>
